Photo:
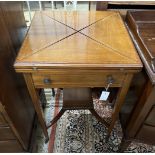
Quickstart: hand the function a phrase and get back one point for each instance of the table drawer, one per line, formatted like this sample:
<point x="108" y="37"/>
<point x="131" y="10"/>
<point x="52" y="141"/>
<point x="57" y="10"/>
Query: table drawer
<point x="6" y="133"/>
<point x="77" y="79"/>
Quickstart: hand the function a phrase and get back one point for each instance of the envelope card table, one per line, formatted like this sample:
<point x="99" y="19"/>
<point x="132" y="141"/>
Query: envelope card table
<point x="77" y="50"/>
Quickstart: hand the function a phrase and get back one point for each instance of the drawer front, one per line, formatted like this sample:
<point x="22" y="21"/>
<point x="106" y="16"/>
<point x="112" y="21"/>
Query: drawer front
<point x="77" y="79"/>
<point x="11" y="146"/>
<point x="150" y="120"/>
<point x="2" y="120"/>
<point x="147" y="134"/>
<point x="6" y="133"/>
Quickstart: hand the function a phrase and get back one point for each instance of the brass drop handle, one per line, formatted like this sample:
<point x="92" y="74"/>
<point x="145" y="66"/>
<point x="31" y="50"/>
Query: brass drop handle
<point x="110" y="79"/>
<point x="47" y="81"/>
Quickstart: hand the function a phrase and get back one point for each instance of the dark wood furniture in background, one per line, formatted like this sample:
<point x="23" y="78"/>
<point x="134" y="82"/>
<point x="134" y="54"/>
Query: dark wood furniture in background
<point x="122" y="6"/>
<point x="140" y="125"/>
<point x="83" y="49"/>
<point x="102" y="5"/>
<point x="16" y="109"/>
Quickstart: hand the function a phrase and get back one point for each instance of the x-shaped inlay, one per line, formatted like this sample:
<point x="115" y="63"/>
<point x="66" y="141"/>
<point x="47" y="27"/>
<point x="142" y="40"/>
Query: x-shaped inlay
<point x="75" y="35"/>
<point x="77" y="49"/>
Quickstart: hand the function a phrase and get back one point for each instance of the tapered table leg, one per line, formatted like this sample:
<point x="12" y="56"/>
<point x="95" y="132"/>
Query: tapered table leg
<point x="36" y="103"/>
<point x="94" y="113"/>
<point x="124" y="144"/>
<point x="57" y="117"/>
<point x="119" y="101"/>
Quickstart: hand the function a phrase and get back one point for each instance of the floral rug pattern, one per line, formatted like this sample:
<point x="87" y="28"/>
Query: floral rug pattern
<point x="77" y="131"/>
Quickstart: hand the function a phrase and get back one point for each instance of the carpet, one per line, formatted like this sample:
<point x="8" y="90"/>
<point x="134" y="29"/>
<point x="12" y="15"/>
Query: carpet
<point x="78" y="131"/>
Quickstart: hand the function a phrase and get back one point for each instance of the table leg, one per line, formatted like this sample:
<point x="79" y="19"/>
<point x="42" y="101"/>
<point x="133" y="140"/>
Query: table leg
<point x="36" y="103"/>
<point x="56" y="118"/>
<point x="119" y="101"/>
<point x="94" y="113"/>
<point x="124" y="144"/>
<point x="53" y="92"/>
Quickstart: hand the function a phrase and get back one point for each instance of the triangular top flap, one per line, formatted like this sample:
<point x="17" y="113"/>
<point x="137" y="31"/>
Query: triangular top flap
<point x="43" y="32"/>
<point x="111" y="32"/>
<point x="78" y="19"/>
<point x="77" y="49"/>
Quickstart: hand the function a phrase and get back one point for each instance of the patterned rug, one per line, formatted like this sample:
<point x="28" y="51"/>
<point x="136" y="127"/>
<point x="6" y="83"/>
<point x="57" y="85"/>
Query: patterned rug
<point x="79" y="132"/>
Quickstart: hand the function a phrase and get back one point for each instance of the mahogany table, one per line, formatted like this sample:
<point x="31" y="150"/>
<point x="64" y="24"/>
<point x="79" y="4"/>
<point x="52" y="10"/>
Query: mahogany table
<point x="77" y="50"/>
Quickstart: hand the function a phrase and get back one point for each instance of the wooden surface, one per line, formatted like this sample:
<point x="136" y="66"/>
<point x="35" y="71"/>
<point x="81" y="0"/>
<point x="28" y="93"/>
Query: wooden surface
<point x="100" y="6"/>
<point x="141" y="125"/>
<point x="104" y="5"/>
<point x="120" y="100"/>
<point x="16" y="26"/>
<point x="132" y="2"/>
<point x="6" y="133"/>
<point x="146" y="101"/>
<point x="36" y="101"/>
<point x="144" y="23"/>
<point x="142" y="28"/>
<point x="84" y="49"/>
<point x="85" y="78"/>
<point x="18" y="111"/>
<point x="10" y="146"/>
<point x="96" y="42"/>
<point x="3" y="122"/>
<point x="122" y="6"/>
<point x="76" y="99"/>
<point x="77" y="20"/>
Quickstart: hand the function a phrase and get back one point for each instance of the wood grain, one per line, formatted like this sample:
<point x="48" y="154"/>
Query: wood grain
<point x="10" y="146"/>
<point x="14" y="97"/>
<point x="120" y="100"/>
<point x="141" y="125"/>
<point x="98" y="46"/>
<point x="36" y="102"/>
<point x="77" y="20"/>
<point x="6" y="133"/>
<point x="83" y="79"/>
<point x="104" y="43"/>
<point x="2" y="120"/>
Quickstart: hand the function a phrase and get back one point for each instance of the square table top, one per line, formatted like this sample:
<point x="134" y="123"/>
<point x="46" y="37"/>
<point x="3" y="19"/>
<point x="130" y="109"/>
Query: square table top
<point x="77" y="39"/>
